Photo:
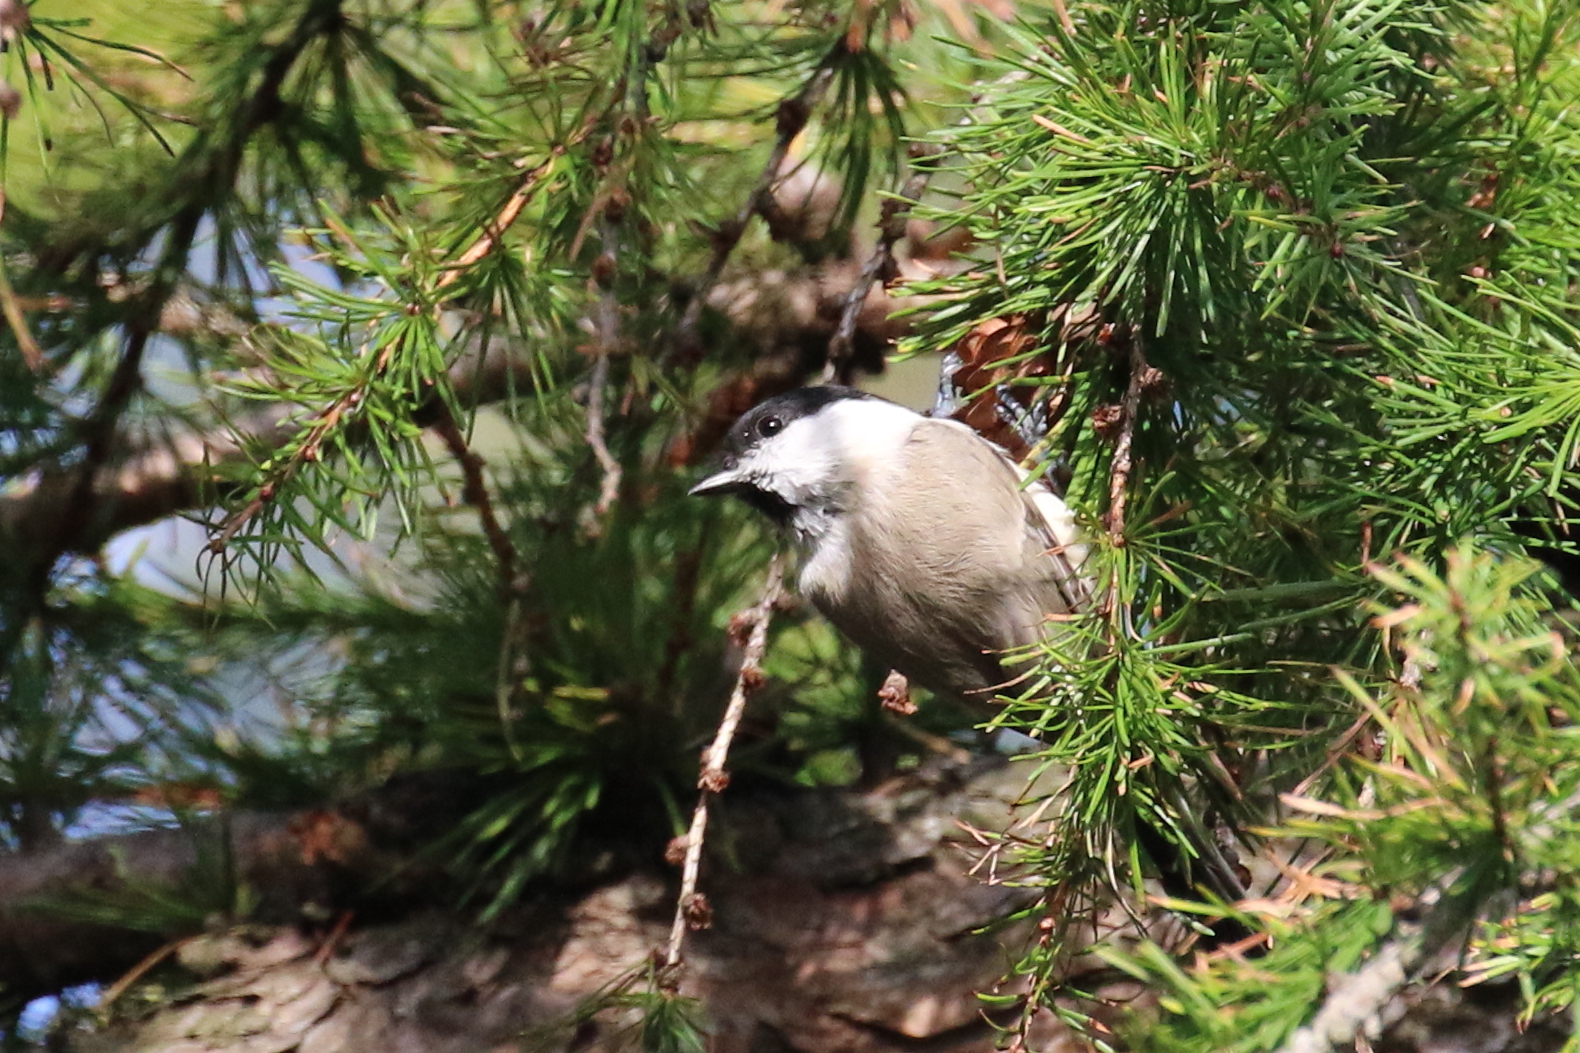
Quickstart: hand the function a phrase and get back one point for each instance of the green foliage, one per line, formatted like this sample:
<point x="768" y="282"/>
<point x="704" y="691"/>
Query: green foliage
<point x="1297" y="278"/>
<point x="1468" y="805"/>
<point x="1301" y="277"/>
<point x="104" y="695"/>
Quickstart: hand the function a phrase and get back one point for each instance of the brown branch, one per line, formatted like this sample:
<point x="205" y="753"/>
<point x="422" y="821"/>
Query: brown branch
<point x="495" y="230"/>
<point x="891" y="228"/>
<point x="363" y="849"/>
<point x="1355" y="1002"/>
<point x="138" y="971"/>
<point x="792" y="118"/>
<point x="1122" y="464"/>
<point x="32" y="354"/>
<point x="691" y="907"/>
<point x="475" y="490"/>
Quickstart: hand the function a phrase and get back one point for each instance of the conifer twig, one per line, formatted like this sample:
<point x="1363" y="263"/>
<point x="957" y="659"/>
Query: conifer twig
<point x="495" y="230"/>
<point x="32" y="354"/>
<point x="1119" y="473"/>
<point x="891" y="228"/>
<point x="609" y="489"/>
<point x="751" y="628"/>
<point x="608" y="336"/>
<point x="1355" y="1001"/>
<point x="792" y="118"/>
<point x="606" y="272"/>
<point x="1123" y="462"/>
<point x="141" y="969"/>
<point x="475" y="489"/>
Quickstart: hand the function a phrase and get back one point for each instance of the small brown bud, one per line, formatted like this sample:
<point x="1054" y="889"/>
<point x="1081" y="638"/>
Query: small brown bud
<point x="1153" y="383"/>
<point x="714" y="780"/>
<point x="614" y="208"/>
<point x="895" y="694"/>
<point x="1107" y="419"/>
<point x="603" y="268"/>
<point x="698" y="912"/>
<point x="675" y="851"/>
<point x="740" y="627"/>
<point x="10" y="101"/>
<point x="1336" y="250"/>
<point x="15" y="18"/>
<point x="752" y="679"/>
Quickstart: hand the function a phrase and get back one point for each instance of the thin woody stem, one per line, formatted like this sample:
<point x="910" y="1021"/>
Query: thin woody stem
<point x="691" y="911"/>
<point x="891" y="228"/>
<point x="794" y="113"/>
<point x="1119" y="473"/>
<point x="1123" y="463"/>
<point x="475" y="489"/>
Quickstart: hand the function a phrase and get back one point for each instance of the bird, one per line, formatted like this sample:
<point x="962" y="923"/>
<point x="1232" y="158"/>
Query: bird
<point x="922" y="542"/>
<point x="931" y="550"/>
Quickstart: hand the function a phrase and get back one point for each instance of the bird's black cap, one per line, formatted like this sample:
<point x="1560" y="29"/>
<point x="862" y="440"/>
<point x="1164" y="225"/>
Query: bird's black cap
<point x="768" y="418"/>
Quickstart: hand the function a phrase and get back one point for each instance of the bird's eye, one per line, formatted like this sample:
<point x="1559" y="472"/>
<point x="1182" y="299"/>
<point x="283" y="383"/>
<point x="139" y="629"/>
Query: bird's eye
<point x="770" y="426"/>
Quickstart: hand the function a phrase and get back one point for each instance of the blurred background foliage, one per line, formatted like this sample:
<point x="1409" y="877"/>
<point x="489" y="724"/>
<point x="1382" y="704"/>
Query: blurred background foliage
<point x="359" y="352"/>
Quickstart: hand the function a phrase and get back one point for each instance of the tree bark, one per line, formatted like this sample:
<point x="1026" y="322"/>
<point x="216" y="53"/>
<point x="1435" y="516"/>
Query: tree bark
<point x="842" y="920"/>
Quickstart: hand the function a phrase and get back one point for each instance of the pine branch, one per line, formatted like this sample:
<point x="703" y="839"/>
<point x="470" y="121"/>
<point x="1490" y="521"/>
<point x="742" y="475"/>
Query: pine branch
<point x="609" y="489"/>
<point x="891" y="228"/>
<point x="219" y="169"/>
<point x="494" y="233"/>
<point x="475" y="489"/>
<point x="751" y="627"/>
<point x="1122" y="464"/>
<point x="1356" y="1001"/>
<point x="791" y="120"/>
<point x="151" y="479"/>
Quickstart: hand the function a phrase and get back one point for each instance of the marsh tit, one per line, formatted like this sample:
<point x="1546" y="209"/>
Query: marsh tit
<point x="930" y="549"/>
<point x="920" y="540"/>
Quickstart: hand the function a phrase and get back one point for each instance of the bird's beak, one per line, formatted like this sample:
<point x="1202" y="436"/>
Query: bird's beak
<point x="720" y="484"/>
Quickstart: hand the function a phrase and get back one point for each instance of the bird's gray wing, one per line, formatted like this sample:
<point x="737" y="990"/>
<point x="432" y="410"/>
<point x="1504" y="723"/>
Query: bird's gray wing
<point x="1053" y="540"/>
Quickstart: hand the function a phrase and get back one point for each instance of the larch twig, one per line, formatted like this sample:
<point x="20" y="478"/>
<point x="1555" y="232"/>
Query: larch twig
<point x="793" y="115"/>
<point x="891" y="228"/>
<point x="474" y="488"/>
<point x="691" y="907"/>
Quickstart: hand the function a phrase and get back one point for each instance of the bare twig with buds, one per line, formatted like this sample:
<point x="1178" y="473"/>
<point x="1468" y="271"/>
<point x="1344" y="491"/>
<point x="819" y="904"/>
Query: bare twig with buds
<point x="750" y="628"/>
<point x="794" y="113"/>
<point x="891" y="228"/>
